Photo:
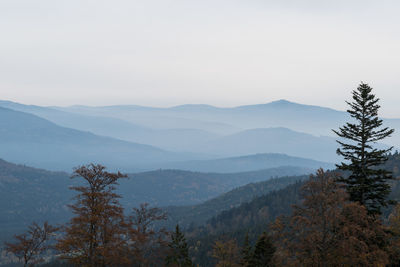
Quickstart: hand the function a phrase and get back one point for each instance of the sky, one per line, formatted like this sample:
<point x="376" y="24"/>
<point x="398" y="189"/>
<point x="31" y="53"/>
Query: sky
<point x="218" y="52"/>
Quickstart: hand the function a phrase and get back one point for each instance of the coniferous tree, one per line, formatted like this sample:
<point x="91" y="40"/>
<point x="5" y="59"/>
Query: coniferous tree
<point x="263" y="252"/>
<point x="178" y="255"/>
<point x="366" y="183"/>
<point x="246" y="252"/>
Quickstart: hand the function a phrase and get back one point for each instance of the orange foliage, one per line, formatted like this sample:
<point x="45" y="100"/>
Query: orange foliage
<point x="94" y="237"/>
<point x="328" y="230"/>
<point x="31" y="245"/>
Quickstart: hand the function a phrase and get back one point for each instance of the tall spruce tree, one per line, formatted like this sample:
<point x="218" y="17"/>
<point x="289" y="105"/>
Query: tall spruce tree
<point x="178" y="255"/>
<point x="367" y="183"/>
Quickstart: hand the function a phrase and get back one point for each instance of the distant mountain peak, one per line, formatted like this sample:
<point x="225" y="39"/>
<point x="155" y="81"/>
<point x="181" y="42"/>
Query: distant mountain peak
<point x="282" y="102"/>
<point x="194" y="106"/>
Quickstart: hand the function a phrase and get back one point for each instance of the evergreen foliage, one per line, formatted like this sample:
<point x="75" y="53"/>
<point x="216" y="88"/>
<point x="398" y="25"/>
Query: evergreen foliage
<point x="178" y="255"/>
<point x="367" y="183"/>
<point x="263" y="252"/>
<point x="247" y="251"/>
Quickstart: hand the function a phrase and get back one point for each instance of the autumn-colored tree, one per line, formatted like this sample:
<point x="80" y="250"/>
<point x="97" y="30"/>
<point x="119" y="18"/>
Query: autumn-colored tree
<point x="328" y="230"/>
<point x="31" y="246"/>
<point x="94" y="236"/>
<point x="147" y="244"/>
<point x="178" y="253"/>
<point x="226" y="253"/>
<point x="394" y="228"/>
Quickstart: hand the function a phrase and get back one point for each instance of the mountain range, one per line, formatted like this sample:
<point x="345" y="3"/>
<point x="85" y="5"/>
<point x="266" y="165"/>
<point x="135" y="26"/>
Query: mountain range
<point x="248" y="163"/>
<point x="189" y="137"/>
<point x="310" y="119"/>
<point x="31" y="140"/>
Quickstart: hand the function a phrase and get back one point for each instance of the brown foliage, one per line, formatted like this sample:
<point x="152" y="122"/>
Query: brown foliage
<point x="94" y="237"/>
<point x="227" y="253"/>
<point x="31" y="245"/>
<point x="394" y="228"/>
<point x="147" y="246"/>
<point x="328" y="230"/>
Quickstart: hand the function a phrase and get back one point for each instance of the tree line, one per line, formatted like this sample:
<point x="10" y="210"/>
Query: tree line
<point x="339" y="221"/>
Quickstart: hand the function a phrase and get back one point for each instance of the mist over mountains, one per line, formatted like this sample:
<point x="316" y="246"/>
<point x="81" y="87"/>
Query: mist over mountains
<point x="197" y="162"/>
<point x="248" y="163"/>
<point x="189" y="137"/>
<point x="28" y="139"/>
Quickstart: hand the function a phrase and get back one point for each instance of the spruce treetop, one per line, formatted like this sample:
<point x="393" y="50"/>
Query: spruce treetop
<point x="367" y="182"/>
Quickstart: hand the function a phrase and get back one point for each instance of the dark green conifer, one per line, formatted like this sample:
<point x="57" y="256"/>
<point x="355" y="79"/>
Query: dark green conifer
<point x="178" y="255"/>
<point x="367" y="183"/>
<point x="263" y="252"/>
<point x="246" y="252"/>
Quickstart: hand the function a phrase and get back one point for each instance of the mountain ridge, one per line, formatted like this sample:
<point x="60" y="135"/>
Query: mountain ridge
<point x="29" y="139"/>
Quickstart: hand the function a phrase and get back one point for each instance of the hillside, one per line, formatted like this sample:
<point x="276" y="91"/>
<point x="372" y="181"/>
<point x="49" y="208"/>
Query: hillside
<point x="29" y="194"/>
<point x="273" y="140"/>
<point x="224" y="132"/>
<point x="280" y="113"/>
<point x="248" y="163"/>
<point x="279" y="202"/>
<point x="173" y="139"/>
<point x="315" y="120"/>
<point x="177" y="187"/>
<point x="158" y="118"/>
<point x="31" y="140"/>
<point x="255" y="215"/>
<point x="191" y="216"/>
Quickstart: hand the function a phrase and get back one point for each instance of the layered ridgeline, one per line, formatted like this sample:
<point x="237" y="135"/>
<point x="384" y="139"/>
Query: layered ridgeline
<point x="28" y="194"/>
<point x="273" y="140"/>
<point x="310" y="119"/>
<point x="178" y="139"/>
<point x="276" y="127"/>
<point x="31" y="140"/>
<point x="248" y="163"/>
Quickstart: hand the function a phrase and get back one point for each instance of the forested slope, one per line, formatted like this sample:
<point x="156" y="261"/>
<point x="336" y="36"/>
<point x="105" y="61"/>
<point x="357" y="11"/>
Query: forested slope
<point x="253" y="217"/>
<point x="198" y="214"/>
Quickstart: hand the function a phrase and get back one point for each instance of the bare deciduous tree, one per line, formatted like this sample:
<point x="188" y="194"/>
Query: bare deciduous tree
<point x="147" y="245"/>
<point x="31" y="246"/>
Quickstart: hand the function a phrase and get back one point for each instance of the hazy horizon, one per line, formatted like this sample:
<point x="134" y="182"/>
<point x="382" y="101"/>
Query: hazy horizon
<point x="194" y="104"/>
<point x="223" y="53"/>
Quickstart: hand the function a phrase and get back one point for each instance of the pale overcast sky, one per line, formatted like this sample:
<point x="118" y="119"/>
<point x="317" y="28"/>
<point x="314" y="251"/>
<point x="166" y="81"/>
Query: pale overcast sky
<point x="219" y="52"/>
